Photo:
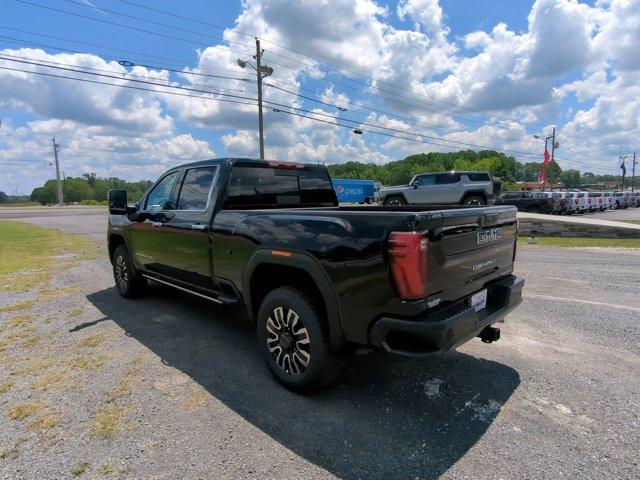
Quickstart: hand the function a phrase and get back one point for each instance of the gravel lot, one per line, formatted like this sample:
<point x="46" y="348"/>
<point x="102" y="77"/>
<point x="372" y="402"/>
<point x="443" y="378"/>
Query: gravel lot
<point x="169" y="386"/>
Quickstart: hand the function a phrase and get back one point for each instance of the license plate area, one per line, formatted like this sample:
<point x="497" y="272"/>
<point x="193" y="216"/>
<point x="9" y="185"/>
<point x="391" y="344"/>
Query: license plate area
<point x="478" y="300"/>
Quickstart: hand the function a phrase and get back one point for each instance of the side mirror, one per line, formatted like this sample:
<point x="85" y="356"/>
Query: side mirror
<point x="117" y="202"/>
<point x="415" y="184"/>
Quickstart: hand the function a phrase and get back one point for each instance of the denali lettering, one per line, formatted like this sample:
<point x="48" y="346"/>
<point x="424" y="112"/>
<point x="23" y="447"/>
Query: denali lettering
<point x="486" y="263"/>
<point x="488" y="236"/>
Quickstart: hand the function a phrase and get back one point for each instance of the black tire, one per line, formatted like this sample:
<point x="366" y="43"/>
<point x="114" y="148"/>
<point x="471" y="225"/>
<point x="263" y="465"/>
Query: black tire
<point x="474" y="201"/>
<point x="394" y="201"/>
<point x="129" y="283"/>
<point x="533" y="209"/>
<point x="291" y="331"/>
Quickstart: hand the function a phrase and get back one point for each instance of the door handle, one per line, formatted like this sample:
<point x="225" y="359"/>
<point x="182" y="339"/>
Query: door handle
<point x="198" y="226"/>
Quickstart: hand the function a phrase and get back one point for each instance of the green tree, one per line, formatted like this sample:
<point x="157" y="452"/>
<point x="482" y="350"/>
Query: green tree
<point x="571" y="178"/>
<point x="4" y="198"/>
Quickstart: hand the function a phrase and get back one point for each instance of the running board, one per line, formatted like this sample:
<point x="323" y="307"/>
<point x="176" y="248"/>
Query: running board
<point x="223" y="301"/>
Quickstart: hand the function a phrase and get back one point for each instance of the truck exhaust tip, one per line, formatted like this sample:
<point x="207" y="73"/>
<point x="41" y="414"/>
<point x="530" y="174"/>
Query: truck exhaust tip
<point x="489" y="334"/>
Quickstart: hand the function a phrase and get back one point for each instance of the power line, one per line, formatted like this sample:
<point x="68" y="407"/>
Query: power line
<point x="239" y="43"/>
<point x="321" y="60"/>
<point x="315" y="58"/>
<point x="423" y="136"/>
<point x="129" y="27"/>
<point x="273" y="103"/>
<point x="244" y="53"/>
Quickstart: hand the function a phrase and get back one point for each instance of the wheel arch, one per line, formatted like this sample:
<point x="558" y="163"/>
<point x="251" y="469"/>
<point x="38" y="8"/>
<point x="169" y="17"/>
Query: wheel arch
<point x="115" y="240"/>
<point x="300" y="271"/>
<point x="475" y="193"/>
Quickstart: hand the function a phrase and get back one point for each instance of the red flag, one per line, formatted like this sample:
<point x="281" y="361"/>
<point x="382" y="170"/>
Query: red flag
<point x="545" y="164"/>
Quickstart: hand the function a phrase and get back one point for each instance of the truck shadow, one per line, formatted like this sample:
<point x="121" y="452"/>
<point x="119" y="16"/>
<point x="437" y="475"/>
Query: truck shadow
<point x="385" y="417"/>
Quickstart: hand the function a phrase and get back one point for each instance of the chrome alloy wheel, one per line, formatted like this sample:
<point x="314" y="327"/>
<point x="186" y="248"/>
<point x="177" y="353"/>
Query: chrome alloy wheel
<point x="475" y="202"/>
<point x="288" y="340"/>
<point x="122" y="273"/>
<point x="394" y="202"/>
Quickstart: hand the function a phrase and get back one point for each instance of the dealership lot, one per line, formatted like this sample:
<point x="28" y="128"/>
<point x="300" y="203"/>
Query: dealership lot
<point x="558" y="396"/>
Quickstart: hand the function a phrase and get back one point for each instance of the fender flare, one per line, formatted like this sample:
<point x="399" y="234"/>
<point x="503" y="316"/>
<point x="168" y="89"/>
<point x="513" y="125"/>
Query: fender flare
<point x="310" y="266"/>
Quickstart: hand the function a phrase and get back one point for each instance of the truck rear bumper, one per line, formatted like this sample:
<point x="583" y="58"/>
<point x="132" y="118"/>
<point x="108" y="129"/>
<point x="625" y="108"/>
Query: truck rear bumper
<point x="448" y="328"/>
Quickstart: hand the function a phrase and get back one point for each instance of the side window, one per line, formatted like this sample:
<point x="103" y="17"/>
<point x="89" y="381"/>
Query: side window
<point x="478" y="177"/>
<point x="194" y="192"/>
<point x="159" y="198"/>
<point x="424" y="180"/>
<point x="447" y="178"/>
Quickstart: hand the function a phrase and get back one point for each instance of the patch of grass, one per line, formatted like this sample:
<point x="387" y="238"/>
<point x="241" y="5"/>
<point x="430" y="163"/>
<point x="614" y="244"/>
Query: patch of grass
<point x="9" y="453"/>
<point x="75" y="312"/>
<point x="23" y="281"/>
<point x="48" y="319"/>
<point x="20" y="320"/>
<point x="108" y="420"/>
<point x="80" y="469"/>
<point x="20" y="334"/>
<point x="24" y="410"/>
<point x="108" y="469"/>
<point x="45" y="422"/>
<point x="89" y="362"/>
<point x="5" y="386"/>
<point x="49" y="293"/>
<point x="582" y="242"/>
<point x="55" y="380"/>
<point x="195" y="400"/>
<point x="25" y="245"/>
<point x="33" y="367"/>
<point x="14" y="307"/>
<point x="31" y="341"/>
<point x="637" y="222"/>
<point x="93" y="340"/>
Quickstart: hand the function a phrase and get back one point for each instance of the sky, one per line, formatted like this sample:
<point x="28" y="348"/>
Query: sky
<point x="413" y="76"/>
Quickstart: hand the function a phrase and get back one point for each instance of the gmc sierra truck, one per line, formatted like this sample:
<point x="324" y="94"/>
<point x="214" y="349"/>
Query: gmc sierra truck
<point x="317" y="278"/>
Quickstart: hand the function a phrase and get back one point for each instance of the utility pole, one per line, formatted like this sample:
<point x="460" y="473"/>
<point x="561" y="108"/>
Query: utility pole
<point x="260" y="122"/>
<point x="623" y="168"/>
<point x="553" y="145"/>
<point x="262" y="71"/>
<point x="633" y="173"/>
<point x="56" y="148"/>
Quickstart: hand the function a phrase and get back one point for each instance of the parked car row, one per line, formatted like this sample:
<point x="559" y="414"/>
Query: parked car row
<point x="568" y="202"/>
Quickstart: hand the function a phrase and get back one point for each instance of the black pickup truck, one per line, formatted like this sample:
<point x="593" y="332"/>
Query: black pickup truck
<point x="532" y="202"/>
<point x="317" y="278"/>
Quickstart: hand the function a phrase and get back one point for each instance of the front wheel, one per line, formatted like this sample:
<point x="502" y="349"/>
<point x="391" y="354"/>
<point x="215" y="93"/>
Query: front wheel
<point x="128" y="282"/>
<point x="293" y="341"/>
<point x="474" y="201"/>
<point x="394" y="201"/>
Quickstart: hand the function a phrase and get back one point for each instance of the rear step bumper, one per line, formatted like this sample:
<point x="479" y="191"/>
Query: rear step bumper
<point x="448" y="328"/>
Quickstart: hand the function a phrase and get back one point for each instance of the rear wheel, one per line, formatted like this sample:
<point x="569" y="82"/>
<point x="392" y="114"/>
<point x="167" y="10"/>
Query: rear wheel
<point x="394" y="201"/>
<point x="128" y="282"/>
<point x="293" y="340"/>
<point x="474" y="201"/>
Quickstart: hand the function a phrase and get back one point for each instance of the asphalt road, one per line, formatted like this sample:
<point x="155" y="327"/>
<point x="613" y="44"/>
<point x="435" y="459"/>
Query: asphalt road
<point x="557" y="397"/>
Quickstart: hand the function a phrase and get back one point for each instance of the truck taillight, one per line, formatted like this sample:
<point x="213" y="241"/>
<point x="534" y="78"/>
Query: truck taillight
<point x="408" y="258"/>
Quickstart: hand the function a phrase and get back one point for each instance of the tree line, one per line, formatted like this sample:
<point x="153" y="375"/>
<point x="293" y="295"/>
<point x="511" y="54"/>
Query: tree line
<point x="88" y="189"/>
<point x="91" y="189"/>
<point x="507" y="168"/>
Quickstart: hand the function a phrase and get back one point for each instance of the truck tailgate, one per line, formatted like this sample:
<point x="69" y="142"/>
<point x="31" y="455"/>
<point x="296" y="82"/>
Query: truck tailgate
<point x="471" y="247"/>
